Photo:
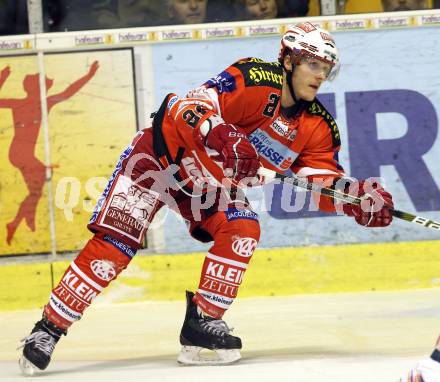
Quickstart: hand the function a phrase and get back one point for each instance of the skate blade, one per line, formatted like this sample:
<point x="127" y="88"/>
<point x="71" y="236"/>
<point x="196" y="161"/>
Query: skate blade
<point x="27" y="367"/>
<point x="190" y="355"/>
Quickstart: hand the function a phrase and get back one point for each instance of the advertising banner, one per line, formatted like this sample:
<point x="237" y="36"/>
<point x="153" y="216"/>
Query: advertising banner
<point x="91" y="117"/>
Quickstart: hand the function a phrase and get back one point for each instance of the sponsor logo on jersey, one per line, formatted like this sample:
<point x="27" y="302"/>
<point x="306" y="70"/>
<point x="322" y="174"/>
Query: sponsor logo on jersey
<point x="244" y="246"/>
<point x="286" y="163"/>
<point x="283" y="129"/>
<point x="258" y="75"/>
<point x="272" y="150"/>
<point x="224" y="83"/>
<point x="257" y="72"/>
<point x="103" y="269"/>
<point x="233" y="213"/>
<point x="317" y="109"/>
<point x="255" y="60"/>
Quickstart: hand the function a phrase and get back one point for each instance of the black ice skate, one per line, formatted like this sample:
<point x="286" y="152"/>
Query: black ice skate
<point x="39" y="346"/>
<point x="200" y="332"/>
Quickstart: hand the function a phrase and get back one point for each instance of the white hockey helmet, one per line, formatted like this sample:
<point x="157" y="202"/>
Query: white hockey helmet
<point x="308" y="40"/>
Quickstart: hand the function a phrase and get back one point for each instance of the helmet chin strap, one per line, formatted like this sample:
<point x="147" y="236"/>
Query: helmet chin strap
<point x="295" y="109"/>
<point x="289" y="74"/>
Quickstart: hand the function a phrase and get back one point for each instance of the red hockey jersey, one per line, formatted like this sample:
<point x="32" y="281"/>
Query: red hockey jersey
<point x="247" y="94"/>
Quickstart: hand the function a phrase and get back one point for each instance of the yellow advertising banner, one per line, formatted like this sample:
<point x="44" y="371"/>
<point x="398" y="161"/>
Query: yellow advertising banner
<point x="91" y="118"/>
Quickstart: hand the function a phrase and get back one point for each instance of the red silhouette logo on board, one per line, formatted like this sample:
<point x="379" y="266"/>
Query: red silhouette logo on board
<point x="26" y="115"/>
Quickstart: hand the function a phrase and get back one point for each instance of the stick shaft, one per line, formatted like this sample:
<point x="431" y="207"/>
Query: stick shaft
<point x="346" y="198"/>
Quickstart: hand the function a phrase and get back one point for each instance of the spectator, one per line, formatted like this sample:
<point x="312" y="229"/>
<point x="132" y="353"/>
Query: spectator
<point x="185" y="11"/>
<point x="256" y="9"/>
<point x="404" y="5"/>
<point x="139" y="13"/>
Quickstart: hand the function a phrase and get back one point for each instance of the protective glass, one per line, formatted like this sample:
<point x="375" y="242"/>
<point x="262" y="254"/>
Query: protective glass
<point x="318" y="66"/>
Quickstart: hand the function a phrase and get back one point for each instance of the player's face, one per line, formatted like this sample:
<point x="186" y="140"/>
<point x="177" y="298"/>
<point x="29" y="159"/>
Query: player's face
<point x="261" y="9"/>
<point x="308" y="76"/>
<point x="188" y="11"/>
<point x="403" y="5"/>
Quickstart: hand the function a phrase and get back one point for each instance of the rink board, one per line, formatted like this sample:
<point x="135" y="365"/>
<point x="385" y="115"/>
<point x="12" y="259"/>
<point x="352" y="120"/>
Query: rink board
<point x="272" y="272"/>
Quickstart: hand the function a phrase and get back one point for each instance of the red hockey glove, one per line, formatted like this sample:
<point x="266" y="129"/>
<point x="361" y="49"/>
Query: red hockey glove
<point x="374" y="210"/>
<point x="240" y="160"/>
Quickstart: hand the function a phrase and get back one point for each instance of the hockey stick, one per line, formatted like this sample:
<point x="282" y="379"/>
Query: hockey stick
<point x="338" y="195"/>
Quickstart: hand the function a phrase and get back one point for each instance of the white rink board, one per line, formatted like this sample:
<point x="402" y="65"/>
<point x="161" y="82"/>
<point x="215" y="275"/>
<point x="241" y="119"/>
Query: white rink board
<point x="362" y="337"/>
<point x="372" y="61"/>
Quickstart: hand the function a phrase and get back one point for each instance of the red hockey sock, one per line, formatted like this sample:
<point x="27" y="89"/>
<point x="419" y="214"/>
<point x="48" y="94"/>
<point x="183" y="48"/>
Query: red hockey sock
<point x="97" y="264"/>
<point x="234" y="243"/>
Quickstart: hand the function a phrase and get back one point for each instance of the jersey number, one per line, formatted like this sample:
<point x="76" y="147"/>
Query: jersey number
<point x="191" y="117"/>
<point x="271" y="106"/>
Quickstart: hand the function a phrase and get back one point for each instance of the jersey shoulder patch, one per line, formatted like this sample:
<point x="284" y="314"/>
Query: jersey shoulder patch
<point x="257" y="72"/>
<point x="317" y="108"/>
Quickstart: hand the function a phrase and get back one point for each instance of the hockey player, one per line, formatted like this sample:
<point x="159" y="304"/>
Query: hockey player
<point x="196" y="157"/>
